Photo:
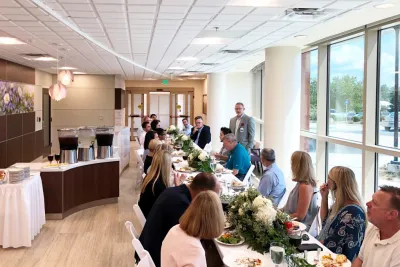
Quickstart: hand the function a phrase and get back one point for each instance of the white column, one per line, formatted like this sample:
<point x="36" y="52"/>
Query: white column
<point x="216" y="106"/>
<point x="282" y="87"/>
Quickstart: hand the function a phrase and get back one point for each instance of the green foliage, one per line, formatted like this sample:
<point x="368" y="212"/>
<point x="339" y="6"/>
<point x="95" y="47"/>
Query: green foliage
<point x="195" y="161"/>
<point x="346" y="88"/>
<point x="356" y="119"/>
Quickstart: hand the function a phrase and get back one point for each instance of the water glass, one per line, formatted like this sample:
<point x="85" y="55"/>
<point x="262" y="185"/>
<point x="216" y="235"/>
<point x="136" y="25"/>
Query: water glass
<point x="213" y="166"/>
<point x="277" y="252"/>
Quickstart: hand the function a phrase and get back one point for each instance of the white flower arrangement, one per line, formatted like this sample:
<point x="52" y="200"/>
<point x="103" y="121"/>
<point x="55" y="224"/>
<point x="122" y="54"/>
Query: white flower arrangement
<point x="185" y="138"/>
<point x="203" y="156"/>
<point x="172" y="129"/>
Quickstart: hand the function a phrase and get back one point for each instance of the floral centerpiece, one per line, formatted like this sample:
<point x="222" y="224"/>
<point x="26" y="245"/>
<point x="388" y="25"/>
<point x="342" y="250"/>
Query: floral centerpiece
<point x="172" y="130"/>
<point x="199" y="160"/>
<point x="185" y="141"/>
<point x="255" y="218"/>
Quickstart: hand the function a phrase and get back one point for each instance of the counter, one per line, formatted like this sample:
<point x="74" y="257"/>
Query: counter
<point x="79" y="186"/>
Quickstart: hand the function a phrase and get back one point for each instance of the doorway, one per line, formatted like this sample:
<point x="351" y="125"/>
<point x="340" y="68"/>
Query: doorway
<point x="170" y="105"/>
<point x="46" y="122"/>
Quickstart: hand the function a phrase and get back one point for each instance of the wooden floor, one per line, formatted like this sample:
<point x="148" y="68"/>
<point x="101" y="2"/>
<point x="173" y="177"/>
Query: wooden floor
<point x="93" y="237"/>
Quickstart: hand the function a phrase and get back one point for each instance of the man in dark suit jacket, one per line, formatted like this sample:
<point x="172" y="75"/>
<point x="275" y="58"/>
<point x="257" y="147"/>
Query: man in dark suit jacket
<point x="200" y="134"/>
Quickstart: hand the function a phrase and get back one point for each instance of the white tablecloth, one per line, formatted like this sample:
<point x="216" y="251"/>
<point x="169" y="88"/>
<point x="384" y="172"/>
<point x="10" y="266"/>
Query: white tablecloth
<point x="22" y="213"/>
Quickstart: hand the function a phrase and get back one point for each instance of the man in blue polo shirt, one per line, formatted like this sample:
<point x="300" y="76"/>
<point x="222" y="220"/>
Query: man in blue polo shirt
<point x="239" y="159"/>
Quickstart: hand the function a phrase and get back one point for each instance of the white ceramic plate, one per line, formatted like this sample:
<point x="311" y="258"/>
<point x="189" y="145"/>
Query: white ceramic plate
<point x="225" y="244"/>
<point x="231" y="259"/>
<point x="302" y="226"/>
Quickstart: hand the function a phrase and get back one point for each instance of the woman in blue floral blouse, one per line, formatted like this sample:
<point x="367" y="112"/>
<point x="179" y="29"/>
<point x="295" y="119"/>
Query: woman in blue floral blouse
<point x="344" y="224"/>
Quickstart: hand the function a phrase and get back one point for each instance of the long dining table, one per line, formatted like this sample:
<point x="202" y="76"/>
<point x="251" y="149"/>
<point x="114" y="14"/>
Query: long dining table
<point x="232" y="251"/>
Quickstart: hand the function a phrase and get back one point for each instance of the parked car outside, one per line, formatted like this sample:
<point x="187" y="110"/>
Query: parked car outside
<point x="388" y="121"/>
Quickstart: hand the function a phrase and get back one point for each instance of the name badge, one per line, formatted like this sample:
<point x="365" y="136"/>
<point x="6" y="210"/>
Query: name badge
<point x="241" y="130"/>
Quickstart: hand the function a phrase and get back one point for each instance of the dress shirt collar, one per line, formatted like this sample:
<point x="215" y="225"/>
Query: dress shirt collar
<point x="393" y="239"/>
<point x="269" y="167"/>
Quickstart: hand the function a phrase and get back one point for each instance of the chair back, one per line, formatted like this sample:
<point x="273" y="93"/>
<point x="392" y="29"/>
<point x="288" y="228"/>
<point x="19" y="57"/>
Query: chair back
<point x="131" y="229"/>
<point x="246" y="180"/>
<point x="144" y="255"/>
<point x="139" y="215"/>
<point x="316" y="225"/>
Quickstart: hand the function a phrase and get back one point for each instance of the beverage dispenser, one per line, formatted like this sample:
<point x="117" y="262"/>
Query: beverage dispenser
<point x="87" y="137"/>
<point x="68" y="139"/>
<point x="104" y="137"/>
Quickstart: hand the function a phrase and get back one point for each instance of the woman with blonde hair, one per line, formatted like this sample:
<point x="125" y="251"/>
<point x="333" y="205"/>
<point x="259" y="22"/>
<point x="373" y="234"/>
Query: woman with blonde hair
<point x="154" y="146"/>
<point x="344" y="224"/>
<point x="156" y="180"/>
<point x="204" y="219"/>
<point x="302" y="202"/>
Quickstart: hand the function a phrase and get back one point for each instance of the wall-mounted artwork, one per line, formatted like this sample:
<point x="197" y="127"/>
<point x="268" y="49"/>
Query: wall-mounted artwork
<point x="16" y="98"/>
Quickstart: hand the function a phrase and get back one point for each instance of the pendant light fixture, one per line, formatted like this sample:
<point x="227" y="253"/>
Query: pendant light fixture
<point x="66" y="77"/>
<point x="58" y="91"/>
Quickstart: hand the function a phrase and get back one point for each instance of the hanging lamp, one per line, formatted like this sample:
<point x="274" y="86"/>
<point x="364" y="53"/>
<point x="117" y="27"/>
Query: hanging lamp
<point x="58" y="91"/>
<point x="66" y="77"/>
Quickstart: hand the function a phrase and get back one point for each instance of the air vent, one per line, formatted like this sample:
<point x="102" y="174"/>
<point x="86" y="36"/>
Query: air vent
<point x="39" y="57"/>
<point x="232" y="51"/>
<point x="208" y="64"/>
<point x="309" y="14"/>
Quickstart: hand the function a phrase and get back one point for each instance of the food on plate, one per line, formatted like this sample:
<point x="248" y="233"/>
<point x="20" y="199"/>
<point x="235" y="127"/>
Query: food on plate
<point x="288" y="225"/>
<point x="189" y="179"/>
<point x="248" y="262"/>
<point x="2" y="176"/>
<point x="296" y="225"/>
<point x="230" y="238"/>
<point x="178" y="160"/>
<point x="237" y="184"/>
<point x="329" y="261"/>
<point x="186" y="169"/>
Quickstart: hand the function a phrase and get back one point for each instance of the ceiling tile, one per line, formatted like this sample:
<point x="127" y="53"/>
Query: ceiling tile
<point x="210" y="2"/>
<point x="229" y="17"/>
<point x="81" y="14"/>
<point x="192" y="16"/>
<point x="170" y="15"/>
<point x="141" y="15"/>
<point x="141" y="22"/>
<point x="268" y="11"/>
<point x="113" y="15"/>
<point x="20" y="17"/>
<point x="341" y="4"/>
<point x="77" y="7"/>
<point x="108" y="1"/>
<point x="142" y="9"/>
<point x="110" y="8"/>
<point x="236" y="10"/>
<point x="312" y="4"/>
<point x="205" y="10"/>
<point x="12" y="11"/>
<point x="143" y="2"/>
<point x="173" y="9"/>
<point x="8" y="3"/>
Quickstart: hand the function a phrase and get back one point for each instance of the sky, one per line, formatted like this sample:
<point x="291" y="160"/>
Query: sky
<point x="347" y="58"/>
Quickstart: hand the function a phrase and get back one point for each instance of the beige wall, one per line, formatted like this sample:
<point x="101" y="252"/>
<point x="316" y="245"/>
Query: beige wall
<point x="197" y="85"/>
<point x="42" y="80"/>
<point x="89" y="102"/>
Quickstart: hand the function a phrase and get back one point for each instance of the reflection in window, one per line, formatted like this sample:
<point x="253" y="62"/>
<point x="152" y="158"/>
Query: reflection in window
<point x="309" y="86"/>
<point x="339" y="155"/>
<point x="309" y="145"/>
<point x="346" y="74"/>
<point x="388" y="170"/>
<point x="388" y="108"/>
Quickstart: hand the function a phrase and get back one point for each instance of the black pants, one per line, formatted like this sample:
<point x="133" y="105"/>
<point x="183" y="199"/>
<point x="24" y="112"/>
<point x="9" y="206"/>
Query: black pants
<point x="240" y="176"/>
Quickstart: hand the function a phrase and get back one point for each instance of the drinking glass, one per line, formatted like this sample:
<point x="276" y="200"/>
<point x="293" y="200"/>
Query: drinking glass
<point x="50" y="158"/>
<point x="213" y="166"/>
<point x="277" y="252"/>
<point x="57" y="157"/>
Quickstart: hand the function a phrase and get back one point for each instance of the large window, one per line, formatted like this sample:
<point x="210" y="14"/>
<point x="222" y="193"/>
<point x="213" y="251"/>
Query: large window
<point x="309" y="85"/>
<point x="346" y="74"/>
<point x="309" y="145"/>
<point x="388" y="107"/>
<point x="339" y="155"/>
<point x="388" y="170"/>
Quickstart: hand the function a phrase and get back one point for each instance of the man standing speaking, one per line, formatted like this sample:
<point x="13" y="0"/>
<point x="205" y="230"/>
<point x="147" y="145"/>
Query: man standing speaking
<point x="243" y="127"/>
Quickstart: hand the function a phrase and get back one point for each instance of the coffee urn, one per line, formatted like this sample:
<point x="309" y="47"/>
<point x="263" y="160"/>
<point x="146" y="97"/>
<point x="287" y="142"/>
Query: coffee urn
<point x="68" y="139"/>
<point x="87" y="137"/>
<point x="104" y="137"/>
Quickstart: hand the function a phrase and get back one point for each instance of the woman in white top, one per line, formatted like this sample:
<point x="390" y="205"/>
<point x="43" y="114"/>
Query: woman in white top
<point x="204" y="219"/>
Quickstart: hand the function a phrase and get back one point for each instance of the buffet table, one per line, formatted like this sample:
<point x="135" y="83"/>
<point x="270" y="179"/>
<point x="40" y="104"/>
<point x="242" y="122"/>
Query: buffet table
<point x="22" y="212"/>
<point x="74" y="187"/>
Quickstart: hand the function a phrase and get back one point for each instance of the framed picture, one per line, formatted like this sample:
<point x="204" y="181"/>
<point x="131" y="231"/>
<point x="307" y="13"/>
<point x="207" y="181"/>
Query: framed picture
<point x="205" y="104"/>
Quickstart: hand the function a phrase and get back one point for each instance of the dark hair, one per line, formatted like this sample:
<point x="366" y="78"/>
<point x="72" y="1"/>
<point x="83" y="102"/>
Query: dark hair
<point x="225" y="130"/>
<point x="184" y="119"/>
<point x="151" y="116"/>
<point x="395" y="195"/>
<point x="160" y="131"/>
<point x="203" y="181"/>
<point x="149" y="136"/>
<point x="154" y="124"/>
<point x="144" y="124"/>
<point x="198" y="118"/>
<point x="239" y="103"/>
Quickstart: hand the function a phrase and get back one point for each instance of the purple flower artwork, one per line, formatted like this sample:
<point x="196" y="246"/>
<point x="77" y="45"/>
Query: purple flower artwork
<point x="16" y="98"/>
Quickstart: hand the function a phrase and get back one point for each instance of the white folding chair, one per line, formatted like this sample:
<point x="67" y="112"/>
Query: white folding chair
<point x="246" y="180"/>
<point x="316" y="225"/>
<point x="146" y="261"/>
<point x="144" y="255"/>
<point x="131" y="229"/>
<point x="139" y="215"/>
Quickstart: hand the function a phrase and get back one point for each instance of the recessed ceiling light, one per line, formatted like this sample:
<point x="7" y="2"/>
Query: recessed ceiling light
<point x="383" y="6"/>
<point x="45" y="59"/>
<point x="176" y="68"/>
<point x="67" y="68"/>
<point x="186" y="59"/>
<point x="196" y="78"/>
<point x="79" y="72"/>
<point x="10" y="41"/>
<point x="186" y="74"/>
<point x="300" y="36"/>
<point x="150" y="79"/>
<point x="212" y="40"/>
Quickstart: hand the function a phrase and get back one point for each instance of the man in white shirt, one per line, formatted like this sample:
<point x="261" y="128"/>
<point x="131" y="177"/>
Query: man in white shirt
<point x="187" y="128"/>
<point x="146" y="127"/>
<point x="381" y="245"/>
